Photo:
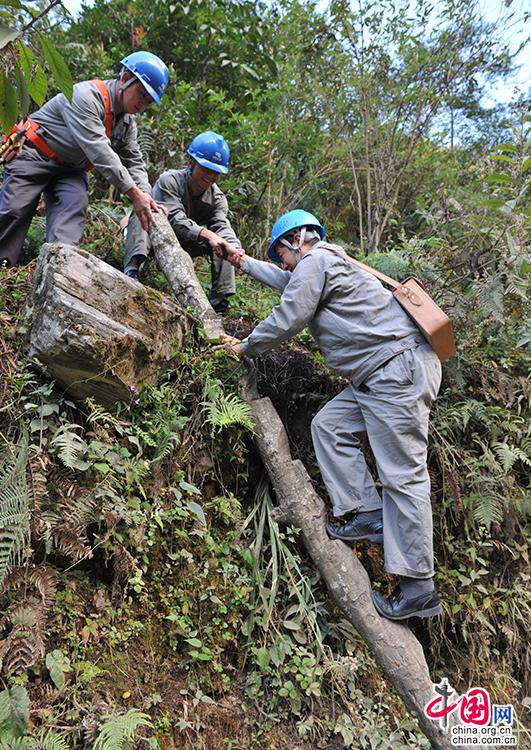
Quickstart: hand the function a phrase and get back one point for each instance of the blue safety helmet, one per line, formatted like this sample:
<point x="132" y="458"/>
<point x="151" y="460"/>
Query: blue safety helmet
<point x="152" y="73"/>
<point x="288" y="223"/>
<point x="211" y="150"/>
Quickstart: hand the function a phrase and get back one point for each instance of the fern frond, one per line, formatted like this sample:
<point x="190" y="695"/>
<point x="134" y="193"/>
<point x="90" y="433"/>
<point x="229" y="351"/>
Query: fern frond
<point x="37" y="470"/>
<point x="48" y="740"/>
<point x="508" y="455"/>
<point x="14" y="711"/>
<point x="24" y="644"/>
<point x="71" y="543"/>
<point x="78" y="510"/>
<point x="17" y="743"/>
<point x="124" y="563"/>
<point x="45" y="581"/>
<point x="69" y="446"/>
<point x="223" y="410"/>
<point x="119" y="730"/>
<point x="99" y="415"/>
<point x="15" y="505"/>
<point x="486" y="509"/>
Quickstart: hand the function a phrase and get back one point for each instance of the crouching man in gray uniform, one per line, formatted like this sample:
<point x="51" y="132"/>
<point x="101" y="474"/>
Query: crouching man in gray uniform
<point x="197" y="212"/>
<point x="395" y="376"/>
<point x="66" y="139"/>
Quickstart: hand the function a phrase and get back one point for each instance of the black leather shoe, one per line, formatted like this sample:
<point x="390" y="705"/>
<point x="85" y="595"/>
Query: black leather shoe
<point x="397" y="607"/>
<point x="356" y="530"/>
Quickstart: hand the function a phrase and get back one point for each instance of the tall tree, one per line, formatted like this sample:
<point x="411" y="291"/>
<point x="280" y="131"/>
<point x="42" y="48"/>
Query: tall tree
<point x="407" y="63"/>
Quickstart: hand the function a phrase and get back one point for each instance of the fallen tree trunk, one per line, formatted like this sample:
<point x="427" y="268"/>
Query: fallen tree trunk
<point x="395" y="648"/>
<point x="97" y="332"/>
<point x="178" y="268"/>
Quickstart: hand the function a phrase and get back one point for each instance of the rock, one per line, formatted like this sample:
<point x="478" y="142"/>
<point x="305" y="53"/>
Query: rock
<point x="97" y="332"/>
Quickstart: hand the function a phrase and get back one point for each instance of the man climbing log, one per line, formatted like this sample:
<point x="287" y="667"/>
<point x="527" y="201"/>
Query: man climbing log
<point x="395" y="376"/>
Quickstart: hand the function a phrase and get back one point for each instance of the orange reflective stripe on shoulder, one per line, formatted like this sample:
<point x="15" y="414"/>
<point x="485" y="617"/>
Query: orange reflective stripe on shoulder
<point x="104" y="91"/>
<point x="42" y="146"/>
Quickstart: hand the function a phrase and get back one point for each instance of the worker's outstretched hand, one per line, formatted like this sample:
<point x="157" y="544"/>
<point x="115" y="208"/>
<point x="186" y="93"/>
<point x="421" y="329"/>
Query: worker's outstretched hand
<point x="234" y="255"/>
<point x="144" y="206"/>
<point x="231" y="345"/>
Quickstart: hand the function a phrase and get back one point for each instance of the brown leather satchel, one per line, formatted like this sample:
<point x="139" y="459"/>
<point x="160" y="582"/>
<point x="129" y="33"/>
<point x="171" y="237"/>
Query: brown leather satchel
<point x="425" y="313"/>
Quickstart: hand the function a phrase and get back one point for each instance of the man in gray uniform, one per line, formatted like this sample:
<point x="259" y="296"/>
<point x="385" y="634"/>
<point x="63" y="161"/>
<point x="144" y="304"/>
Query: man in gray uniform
<point x="197" y="211"/>
<point x="395" y="375"/>
<point x="66" y="139"/>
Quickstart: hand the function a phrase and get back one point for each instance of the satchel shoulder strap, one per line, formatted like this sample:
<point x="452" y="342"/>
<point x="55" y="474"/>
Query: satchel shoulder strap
<point x="379" y="275"/>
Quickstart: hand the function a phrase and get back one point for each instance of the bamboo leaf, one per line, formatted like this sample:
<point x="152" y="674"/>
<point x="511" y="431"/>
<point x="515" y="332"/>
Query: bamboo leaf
<point x="22" y="90"/>
<point x="8" y="104"/>
<point x="499" y="178"/>
<point x="197" y="510"/>
<point x="58" y="67"/>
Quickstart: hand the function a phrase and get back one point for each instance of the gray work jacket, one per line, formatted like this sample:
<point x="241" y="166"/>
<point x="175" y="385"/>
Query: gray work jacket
<point x="189" y="214"/>
<point x="357" y="324"/>
<point x="75" y="131"/>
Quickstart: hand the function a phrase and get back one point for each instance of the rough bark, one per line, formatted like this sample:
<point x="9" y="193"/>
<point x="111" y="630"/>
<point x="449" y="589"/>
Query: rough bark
<point x="97" y="332"/>
<point x="395" y="648"/>
<point x="178" y="268"/>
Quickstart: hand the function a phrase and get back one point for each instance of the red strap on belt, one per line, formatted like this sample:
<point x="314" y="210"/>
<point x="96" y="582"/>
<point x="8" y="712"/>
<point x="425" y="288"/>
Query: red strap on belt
<point x="42" y="146"/>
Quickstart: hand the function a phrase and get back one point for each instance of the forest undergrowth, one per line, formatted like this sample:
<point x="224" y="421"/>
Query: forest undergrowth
<point x="149" y="592"/>
<point x="148" y="596"/>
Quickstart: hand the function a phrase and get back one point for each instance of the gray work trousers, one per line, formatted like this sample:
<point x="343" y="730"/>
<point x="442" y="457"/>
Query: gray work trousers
<point x="392" y="407"/>
<point x="137" y="249"/>
<point x="65" y="197"/>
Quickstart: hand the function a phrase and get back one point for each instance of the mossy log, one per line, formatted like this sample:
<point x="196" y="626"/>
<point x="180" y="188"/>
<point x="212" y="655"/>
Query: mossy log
<point x="178" y="268"/>
<point x="97" y="332"/>
<point x="395" y="648"/>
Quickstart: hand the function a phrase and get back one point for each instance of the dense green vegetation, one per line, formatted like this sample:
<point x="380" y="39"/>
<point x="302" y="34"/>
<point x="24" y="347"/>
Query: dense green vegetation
<point x="147" y="589"/>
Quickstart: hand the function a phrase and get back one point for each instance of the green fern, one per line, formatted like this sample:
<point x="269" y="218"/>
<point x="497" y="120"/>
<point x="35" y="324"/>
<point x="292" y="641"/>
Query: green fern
<point x="508" y="455"/>
<point x="99" y="415"/>
<point x="486" y="509"/>
<point x="15" y="504"/>
<point x="223" y="410"/>
<point x="14" y="714"/>
<point x="69" y="447"/>
<point x="48" y="740"/>
<point x="119" y="730"/>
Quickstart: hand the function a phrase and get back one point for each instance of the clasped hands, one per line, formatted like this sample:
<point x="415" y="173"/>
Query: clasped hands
<point x="231" y="345"/>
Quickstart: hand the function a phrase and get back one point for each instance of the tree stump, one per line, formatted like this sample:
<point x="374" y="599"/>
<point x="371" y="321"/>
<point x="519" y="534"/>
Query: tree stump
<point x="97" y="332"/>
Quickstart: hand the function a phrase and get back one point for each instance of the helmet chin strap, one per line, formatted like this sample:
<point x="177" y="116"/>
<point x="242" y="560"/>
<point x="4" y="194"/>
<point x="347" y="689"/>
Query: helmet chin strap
<point x="124" y="85"/>
<point x="295" y="249"/>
